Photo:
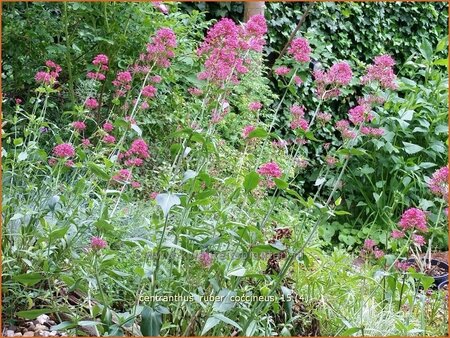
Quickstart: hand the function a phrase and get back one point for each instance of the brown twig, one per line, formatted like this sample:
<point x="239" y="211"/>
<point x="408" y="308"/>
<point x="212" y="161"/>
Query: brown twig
<point x="291" y="37"/>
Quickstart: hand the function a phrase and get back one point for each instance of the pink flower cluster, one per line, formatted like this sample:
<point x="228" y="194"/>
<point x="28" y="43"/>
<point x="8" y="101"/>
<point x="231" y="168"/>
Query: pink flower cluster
<point x="270" y="169"/>
<point x="50" y="76"/>
<point x="86" y="143"/>
<point x="280" y="144"/>
<point x="122" y="82"/>
<point x="219" y="114"/>
<point x="439" y="183"/>
<point x="136" y="154"/>
<point x="252" y="34"/>
<point x="331" y="161"/>
<point x="298" y="121"/>
<point x="122" y="175"/>
<point x="79" y="125"/>
<point x="283" y="70"/>
<point x="370" y="131"/>
<point x="370" y="101"/>
<point x="149" y="91"/>
<point x="64" y="150"/>
<point x="91" y="103"/>
<point x="161" y="49"/>
<point x="205" y="259"/>
<point x="109" y="139"/>
<point x="323" y="118"/>
<point x="328" y="83"/>
<point x="381" y="71"/>
<point x="255" y="106"/>
<point x="108" y="127"/>
<point x="225" y="45"/>
<point x="300" y="50"/>
<point x="414" y="218"/>
<point x="98" y="243"/>
<point x="358" y="115"/>
<point x="247" y="130"/>
<point x="160" y="7"/>
<point x="101" y="61"/>
<point x="195" y="91"/>
<point x="370" y="248"/>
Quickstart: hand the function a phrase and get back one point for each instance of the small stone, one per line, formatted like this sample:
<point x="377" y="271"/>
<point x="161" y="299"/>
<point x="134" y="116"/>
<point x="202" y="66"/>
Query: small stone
<point x="18" y="334"/>
<point x="9" y="333"/>
<point x="30" y="326"/>
<point x="42" y="319"/>
<point x="28" y="334"/>
<point x="53" y="333"/>
<point x="41" y="327"/>
<point x="51" y="322"/>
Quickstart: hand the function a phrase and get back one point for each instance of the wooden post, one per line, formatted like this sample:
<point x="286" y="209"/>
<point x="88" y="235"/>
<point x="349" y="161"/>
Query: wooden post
<point x="253" y="8"/>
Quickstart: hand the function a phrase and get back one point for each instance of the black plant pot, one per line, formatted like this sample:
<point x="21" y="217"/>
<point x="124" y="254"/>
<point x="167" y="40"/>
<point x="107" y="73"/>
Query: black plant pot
<point x="434" y="262"/>
<point x="443" y="285"/>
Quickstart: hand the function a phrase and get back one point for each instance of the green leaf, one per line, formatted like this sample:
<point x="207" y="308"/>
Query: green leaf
<point x="188" y="175"/>
<point x="262" y="248"/>
<point x="352" y="151"/>
<point x="98" y="171"/>
<point x="281" y="184"/>
<point x="258" y="132"/>
<point x="136" y="129"/>
<point x="33" y="314"/>
<point x="341" y="212"/>
<point x="28" y="279"/>
<point x="63" y="325"/>
<point x="411" y="148"/>
<point x="18" y="141"/>
<point x="22" y="156"/>
<point x="239" y="272"/>
<point x="210" y="323"/>
<point x="225" y="303"/>
<point x="175" y="246"/>
<point x="350" y="331"/>
<point x="151" y="322"/>
<point x="166" y="201"/>
<point x="278" y="245"/>
<point x="441" y="62"/>
<point x="441" y="45"/>
<point x="227" y="320"/>
<point x="58" y="233"/>
<point x="426" y="49"/>
<point x="251" y="181"/>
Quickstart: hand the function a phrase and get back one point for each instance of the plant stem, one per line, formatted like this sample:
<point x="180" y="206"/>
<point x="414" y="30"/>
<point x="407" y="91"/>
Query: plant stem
<point x="68" y="57"/>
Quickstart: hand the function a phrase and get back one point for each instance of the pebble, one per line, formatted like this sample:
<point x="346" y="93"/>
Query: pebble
<point x="9" y="333"/>
<point x="42" y="319"/>
<point x="28" y="334"/>
<point x="18" y="334"/>
<point x="41" y="327"/>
